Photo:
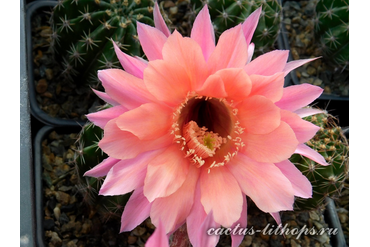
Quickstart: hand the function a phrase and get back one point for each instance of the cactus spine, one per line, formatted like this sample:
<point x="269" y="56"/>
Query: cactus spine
<point x="332" y="28"/>
<point x="228" y="13"/>
<point x="83" y="29"/>
<point x="327" y="181"/>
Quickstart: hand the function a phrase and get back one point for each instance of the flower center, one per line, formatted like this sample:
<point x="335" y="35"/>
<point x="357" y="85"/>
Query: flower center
<point x="207" y="129"/>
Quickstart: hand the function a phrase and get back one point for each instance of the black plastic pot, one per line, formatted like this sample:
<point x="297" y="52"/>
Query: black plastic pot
<point x="38" y="113"/>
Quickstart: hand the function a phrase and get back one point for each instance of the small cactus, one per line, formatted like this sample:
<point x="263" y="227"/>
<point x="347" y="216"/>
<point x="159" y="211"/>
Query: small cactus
<point x="88" y="156"/>
<point x="332" y="28"/>
<point x="327" y="181"/>
<point x="228" y="13"/>
<point x="83" y="29"/>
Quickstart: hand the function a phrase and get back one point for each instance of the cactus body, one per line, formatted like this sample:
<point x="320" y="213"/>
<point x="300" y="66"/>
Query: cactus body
<point x="327" y="181"/>
<point x="83" y="29"/>
<point x="88" y="156"/>
<point x="332" y="28"/>
<point x="228" y="13"/>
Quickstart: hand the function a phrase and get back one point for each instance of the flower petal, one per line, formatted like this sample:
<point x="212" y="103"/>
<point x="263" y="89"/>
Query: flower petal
<point x="147" y="122"/>
<point x="105" y="97"/>
<point x="137" y="209"/>
<point x="125" y="145"/>
<point x="298" y="96"/>
<point x="250" y="52"/>
<point x="264" y="183"/>
<point x="198" y="223"/>
<point x="295" y="64"/>
<point x="213" y="87"/>
<point x="231" y="51"/>
<point x="237" y="83"/>
<point x="269" y="86"/>
<point x="158" y="238"/>
<point x="101" y="118"/>
<point x="102" y="168"/>
<point x="127" y="175"/>
<point x="151" y="40"/>
<point x="305" y="112"/>
<point x="301" y="185"/>
<point x="268" y="64"/>
<point x="219" y="188"/>
<point x="273" y="147"/>
<point x="132" y="65"/>
<point x="187" y="57"/>
<point x="308" y="152"/>
<point x="173" y="209"/>
<point x="164" y="81"/>
<point x="258" y="115"/>
<point x="159" y="22"/>
<point x="303" y="130"/>
<point x="237" y="238"/>
<point x="124" y="88"/>
<point x="166" y="173"/>
<point x="250" y="24"/>
<point x="203" y="32"/>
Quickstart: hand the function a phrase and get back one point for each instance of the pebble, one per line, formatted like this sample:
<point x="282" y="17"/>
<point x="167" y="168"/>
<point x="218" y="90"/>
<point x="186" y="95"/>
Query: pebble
<point x="311" y="70"/>
<point x="49" y="74"/>
<point x="41" y="86"/>
<point x="62" y="197"/>
<point x="131" y="239"/>
<point x="56" y="213"/>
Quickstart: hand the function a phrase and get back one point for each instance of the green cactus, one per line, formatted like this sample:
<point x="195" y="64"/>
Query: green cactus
<point x="327" y="181"/>
<point x="332" y="28"/>
<point x="228" y="13"/>
<point x="88" y="156"/>
<point x="83" y="29"/>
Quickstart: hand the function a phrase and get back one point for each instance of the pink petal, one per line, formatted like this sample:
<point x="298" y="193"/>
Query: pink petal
<point x="305" y="112"/>
<point x="124" y="145"/>
<point x="264" y="183"/>
<point x="301" y="185"/>
<point x="124" y="88"/>
<point x="213" y="87"/>
<point x="236" y="239"/>
<point x="166" y="173"/>
<point x="101" y="118"/>
<point x="136" y="211"/>
<point x="308" y="152"/>
<point x="295" y="64"/>
<point x="298" y="96"/>
<point x="250" y="52"/>
<point x="147" y="122"/>
<point x="105" y="97"/>
<point x="132" y="65"/>
<point x="158" y="238"/>
<point x="173" y="209"/>
<point x="198" y="223"/>
<point x="231" y="51"/>
<point x="268" y="64"/>
<point x="269" y="86"/>
<point x="258" y="115"/>
<point x="276" y="217"/>
<point x="151" y="40"/>
<point x="102" y="168"/>
<point x="220" y="193"/>
<point x="236" y="82"/>
<point x="187" y="56"/>
<point x="203" y="32"/>
<point x="272" y="147"/>
<point x="303" y="130"/>
<point x="159" y="22"/>
<point x="127" y="175"/>
<point x="250" y="24"/>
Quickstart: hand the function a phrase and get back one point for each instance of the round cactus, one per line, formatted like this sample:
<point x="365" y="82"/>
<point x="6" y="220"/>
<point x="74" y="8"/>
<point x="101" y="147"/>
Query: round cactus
<point x="228" y="13"/>
<point x="88" y="156"/>
<point x="327" y="181"/>
<point x="83" y="30"/>
<point x="332" y="28"/>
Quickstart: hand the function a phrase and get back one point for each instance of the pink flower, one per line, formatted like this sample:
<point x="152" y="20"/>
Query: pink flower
<point x="199" y="127"/>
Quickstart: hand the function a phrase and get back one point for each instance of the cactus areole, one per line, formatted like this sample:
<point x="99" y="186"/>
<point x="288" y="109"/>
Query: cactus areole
<point x="83" y="31"/>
